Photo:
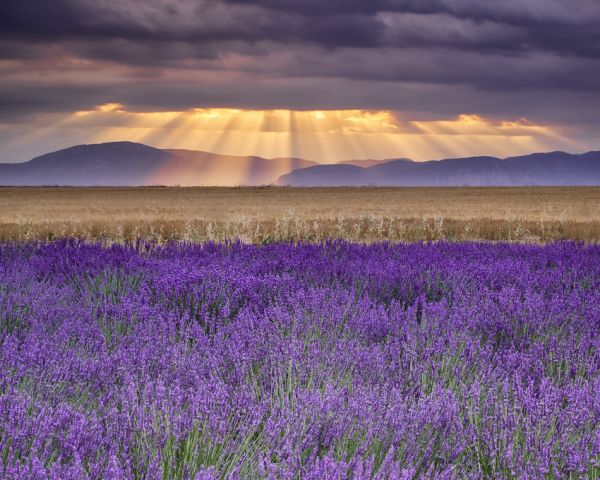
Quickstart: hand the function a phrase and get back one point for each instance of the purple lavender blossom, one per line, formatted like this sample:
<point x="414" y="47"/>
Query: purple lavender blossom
<point x="299" y="361"/>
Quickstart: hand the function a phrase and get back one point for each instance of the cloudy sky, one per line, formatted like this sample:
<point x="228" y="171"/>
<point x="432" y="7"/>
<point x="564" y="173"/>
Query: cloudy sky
<point x="315" y="78"/>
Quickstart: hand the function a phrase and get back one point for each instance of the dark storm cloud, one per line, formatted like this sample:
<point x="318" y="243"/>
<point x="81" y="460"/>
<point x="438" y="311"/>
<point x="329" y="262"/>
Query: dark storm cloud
<point x="554" y="25"/>
<point x="565" y="26"/>
<point x="204" y="21"/>
<point x="399" y="54"/>
<point x="320" y="7"/>
<point x="571" y="26"/>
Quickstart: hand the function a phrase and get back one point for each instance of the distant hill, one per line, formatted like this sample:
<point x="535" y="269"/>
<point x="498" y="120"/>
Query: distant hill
<point x="362" y="163"/>
<point x="554" y="168"/>
<point x="128" y="163"/>
<point x="191" y="167"/>
<point x="119" y="163"/>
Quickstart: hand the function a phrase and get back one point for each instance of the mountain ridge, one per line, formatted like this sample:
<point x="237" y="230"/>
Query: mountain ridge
<point x="135" y="164"/>
<point x="550" y="168"/>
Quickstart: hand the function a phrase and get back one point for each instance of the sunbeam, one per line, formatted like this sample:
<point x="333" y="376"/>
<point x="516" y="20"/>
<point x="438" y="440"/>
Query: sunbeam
<point x="325" y="136"/>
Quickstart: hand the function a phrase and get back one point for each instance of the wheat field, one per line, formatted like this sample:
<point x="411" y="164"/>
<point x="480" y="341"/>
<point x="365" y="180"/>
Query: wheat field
<point x="267" y="214"/>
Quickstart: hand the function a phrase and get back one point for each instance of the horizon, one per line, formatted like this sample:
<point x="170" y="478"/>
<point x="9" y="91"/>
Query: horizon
<point x="332" y="162"/>
<point x="126" y="163"/>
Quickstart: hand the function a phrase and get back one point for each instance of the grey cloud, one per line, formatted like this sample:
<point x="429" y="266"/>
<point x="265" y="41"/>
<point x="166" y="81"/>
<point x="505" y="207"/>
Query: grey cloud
<point x="570" y="27"/>
<point x="454" y="55"/>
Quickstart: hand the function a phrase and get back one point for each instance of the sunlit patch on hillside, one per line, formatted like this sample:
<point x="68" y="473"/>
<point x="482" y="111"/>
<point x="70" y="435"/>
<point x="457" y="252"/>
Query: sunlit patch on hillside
<point x="324" y="136"/>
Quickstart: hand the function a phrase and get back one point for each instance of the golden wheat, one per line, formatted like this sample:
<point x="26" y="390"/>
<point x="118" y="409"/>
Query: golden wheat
<point x="259" y="215"/>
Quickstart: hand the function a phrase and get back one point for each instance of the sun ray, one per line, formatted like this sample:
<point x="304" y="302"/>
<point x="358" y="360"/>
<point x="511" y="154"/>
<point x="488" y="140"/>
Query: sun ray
<point x="321" y="135"/>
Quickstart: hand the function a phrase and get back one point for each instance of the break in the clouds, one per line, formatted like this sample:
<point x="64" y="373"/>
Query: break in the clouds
<point x="320" y="135"/>
<point x="425" y="60"/>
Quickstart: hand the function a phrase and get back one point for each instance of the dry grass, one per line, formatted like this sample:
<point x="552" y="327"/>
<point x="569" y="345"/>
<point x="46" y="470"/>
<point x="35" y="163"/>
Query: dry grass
<point x="270" y="214"/>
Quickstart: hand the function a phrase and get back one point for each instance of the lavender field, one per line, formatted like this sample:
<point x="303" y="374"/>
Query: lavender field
<point x="299" y="361"/>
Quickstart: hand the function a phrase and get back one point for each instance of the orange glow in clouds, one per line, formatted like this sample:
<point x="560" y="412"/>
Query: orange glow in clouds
<point x="325" y="136"/>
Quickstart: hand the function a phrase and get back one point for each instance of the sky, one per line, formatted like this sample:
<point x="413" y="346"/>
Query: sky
<point x="326" y="80"/>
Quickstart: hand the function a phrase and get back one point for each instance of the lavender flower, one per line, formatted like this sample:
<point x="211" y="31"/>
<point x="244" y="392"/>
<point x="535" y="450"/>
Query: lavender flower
<point x="299" y="361"/>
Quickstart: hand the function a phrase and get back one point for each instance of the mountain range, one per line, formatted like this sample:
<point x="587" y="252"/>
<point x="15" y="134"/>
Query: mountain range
<point x="132" y="164"/>
<point x="553" y="168"/>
